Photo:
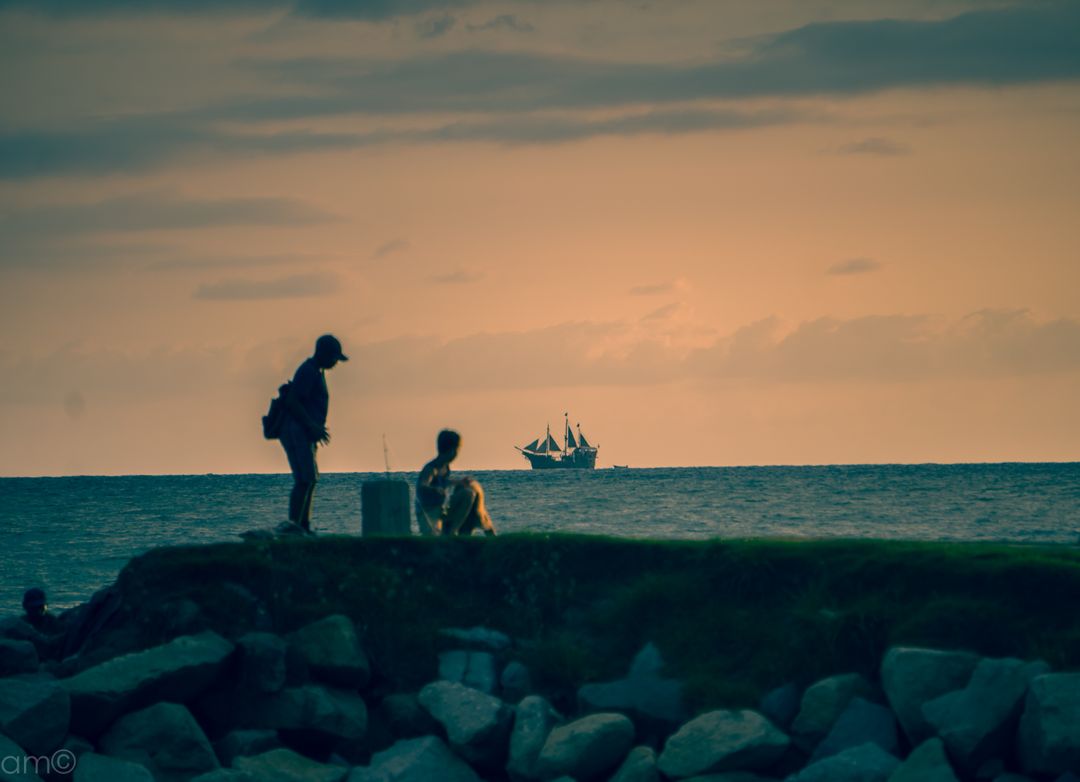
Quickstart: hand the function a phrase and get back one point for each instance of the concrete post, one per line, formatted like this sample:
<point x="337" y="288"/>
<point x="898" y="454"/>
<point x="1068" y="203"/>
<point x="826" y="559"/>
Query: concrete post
<point x="384" y="508"/>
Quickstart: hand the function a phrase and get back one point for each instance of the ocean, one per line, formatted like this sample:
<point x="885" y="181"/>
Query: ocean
<point x="72" y="536"/>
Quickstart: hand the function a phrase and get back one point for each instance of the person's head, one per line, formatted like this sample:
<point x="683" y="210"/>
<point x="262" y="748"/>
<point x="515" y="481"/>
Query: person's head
<point x="328" y="351"/>
<point x="449" y="443"/>
<point x="34" y="602"/>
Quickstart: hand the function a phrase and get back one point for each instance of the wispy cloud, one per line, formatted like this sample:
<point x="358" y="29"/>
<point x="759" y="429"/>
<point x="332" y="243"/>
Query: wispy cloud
<point x="435" y="27"/>
<point x="503" y="22"/>
<point x="458" y="277"/>
<point x="656" y="289"/>
<point x="854" y="266"/>
<point x="390" y="248"/>
<point x="297" y="286"/>
<point x="882" y="147"/>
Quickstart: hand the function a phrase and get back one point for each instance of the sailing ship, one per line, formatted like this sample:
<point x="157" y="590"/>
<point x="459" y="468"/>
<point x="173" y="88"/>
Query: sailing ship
<point x="544" y="452"/>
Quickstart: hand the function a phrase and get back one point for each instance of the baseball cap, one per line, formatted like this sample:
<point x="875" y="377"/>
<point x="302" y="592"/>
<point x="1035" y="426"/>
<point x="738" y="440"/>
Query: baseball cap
<point x="329" y="345"/>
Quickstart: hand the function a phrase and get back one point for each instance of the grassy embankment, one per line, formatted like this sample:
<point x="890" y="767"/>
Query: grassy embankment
<point x="732" y="618"/>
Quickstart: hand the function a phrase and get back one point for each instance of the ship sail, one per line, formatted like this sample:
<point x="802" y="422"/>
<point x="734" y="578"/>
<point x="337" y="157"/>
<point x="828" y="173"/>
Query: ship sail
<point x="582" y="441"/>
<point x="533" y="445"/>
<point x="548" y="445"/>
<point x="570" y="441"/>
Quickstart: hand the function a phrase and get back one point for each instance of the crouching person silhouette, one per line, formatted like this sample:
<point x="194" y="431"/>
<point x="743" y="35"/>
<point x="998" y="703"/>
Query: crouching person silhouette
<point x="445" y="506"/>
<point x="304" y="427"/>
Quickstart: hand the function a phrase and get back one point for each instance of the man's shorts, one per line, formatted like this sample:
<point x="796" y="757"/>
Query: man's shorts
<point x="300" y="452"/>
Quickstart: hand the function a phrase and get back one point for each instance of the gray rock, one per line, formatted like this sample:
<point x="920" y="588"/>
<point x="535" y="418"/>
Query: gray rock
<point x="781" y="705"/>
<point x="17" y="657"/>
<point x="226" y="775"/>
<point x="101" y="768"/>
<point x="332" y="651"/>
<point x="722" y="741"/>
<point x="586" y="748"/>
<point x="479" y="638"/>
<point x="404" y="718"/>
<point x="823" y="703"/>
<point x="911" y="677"/>
<point x="473" y="669"/>
<point x="165" y="738"/>
<point x="177" y="671"/>
<point x="862" y="722"/>
<point x="77" y="746"/>
<point x="476" y="724"/>
<point x="245" y="743"/>
<point x="284" y="765"/>
<point x="16" y="766"/>
<point x="926" y="763"/>
<point x="35" y="712"/>
<point x="1049" y="737"/>
<point x="534" y="719"/>
<point x="644" y="694"/>
<point x="868" y="763"/>
<point x="261" y="658"/>
<point x="415" y="760"/>
<point x="639" y="766"/>
<point x="977" y="722"/>
<point x="515" y="682"/>
<point x="326" y="714"/>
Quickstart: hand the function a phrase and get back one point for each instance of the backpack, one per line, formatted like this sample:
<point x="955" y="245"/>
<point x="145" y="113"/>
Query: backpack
<point x="275" y="416"/>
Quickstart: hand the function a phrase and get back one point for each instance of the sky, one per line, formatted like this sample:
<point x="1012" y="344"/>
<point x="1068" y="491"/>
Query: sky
<point x="713" y="232"/>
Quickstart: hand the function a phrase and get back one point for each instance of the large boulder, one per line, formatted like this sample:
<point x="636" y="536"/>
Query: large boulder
<point x="415" y="760"/>
<point x="35" y="712"/>
<point x="476" y="724"/>
<point x="911" y="677"/>
<point x="316" y="716"/>
<point x="586" y="748"/>
<point x="781" y="705"/>
<point x="245" y="743"/>
<point x="926" y="763"/>
<point x="645" y="694"/>
<point x="722" y="741"/>
<point x="639" y="766"/>
<point x="101" y="768"/>
<point x="177" y="671"/>
<point x="823" y="703"/>
<point x="165" y="738"/>
<point x="515" y="682"/>
<point x="1049" y="737"/>
<point x="331" y="648"/>
<point x="261" y="663"/>
<point x="17" y="657"/>
<point x="478" y="638"/>
<point x="473" y="669"/>
<point x="15" y="766"/>
<point x="862" y="722"/>
<point x="977" y="722"/>
<point x="284" y="765"/>
<point x="534" y="719"/>
<point x="867" y="763"/>
<point x="399" y="716"/>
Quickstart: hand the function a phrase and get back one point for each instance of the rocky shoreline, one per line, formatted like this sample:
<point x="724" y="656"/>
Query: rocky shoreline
<point x="168" y="690"/>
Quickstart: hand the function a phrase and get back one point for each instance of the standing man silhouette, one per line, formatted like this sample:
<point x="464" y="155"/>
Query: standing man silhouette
<point x="304" y="428"/>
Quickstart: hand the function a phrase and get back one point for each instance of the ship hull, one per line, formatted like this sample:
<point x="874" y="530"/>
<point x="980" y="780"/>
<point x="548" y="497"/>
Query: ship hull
<point x="580" y="459"/>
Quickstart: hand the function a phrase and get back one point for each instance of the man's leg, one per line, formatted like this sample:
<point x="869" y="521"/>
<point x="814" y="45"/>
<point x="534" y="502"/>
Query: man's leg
<point x="301" y="457"/>
<point x="462" y="508"/>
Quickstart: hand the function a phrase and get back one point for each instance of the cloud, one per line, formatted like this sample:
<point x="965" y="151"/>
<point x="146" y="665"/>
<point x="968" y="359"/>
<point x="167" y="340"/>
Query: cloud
<point x="874" y="146"/>
<point x="364" y="10"/>
<point x="656" y="289"/>
<point x="390" y="248"/>
<point x="503" y="22"/>
<point x="1016" y="45"/>
<point x="230" y="261"/>
<point x="435" y="27"/>
<point x="52" y="231"/>
<point x="854" y="266"/>
<point x="27" y="155"/>
<point x="299" y="286"/>
<point x="458" y="277"/>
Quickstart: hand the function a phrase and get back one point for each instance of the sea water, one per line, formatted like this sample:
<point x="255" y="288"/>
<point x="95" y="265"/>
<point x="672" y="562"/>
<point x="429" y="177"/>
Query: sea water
<point x="73" y="535"/>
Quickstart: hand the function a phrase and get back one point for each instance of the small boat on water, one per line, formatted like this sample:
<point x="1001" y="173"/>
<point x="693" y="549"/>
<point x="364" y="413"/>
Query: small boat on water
<point x="620" y="466"/>
<point x="544" y="453"/>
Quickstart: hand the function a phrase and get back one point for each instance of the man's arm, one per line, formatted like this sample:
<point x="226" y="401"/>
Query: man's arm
<point x="303" y="383"/>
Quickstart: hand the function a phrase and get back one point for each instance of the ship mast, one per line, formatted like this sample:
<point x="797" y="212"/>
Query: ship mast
<point x="566" y="432"/>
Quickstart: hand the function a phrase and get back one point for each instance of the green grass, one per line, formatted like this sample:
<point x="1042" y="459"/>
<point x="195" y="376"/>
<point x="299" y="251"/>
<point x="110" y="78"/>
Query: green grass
<point x="732" y="618"/>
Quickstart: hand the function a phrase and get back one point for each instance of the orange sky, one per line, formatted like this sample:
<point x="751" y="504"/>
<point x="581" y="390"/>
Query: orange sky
<point x="829" y="232"/>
